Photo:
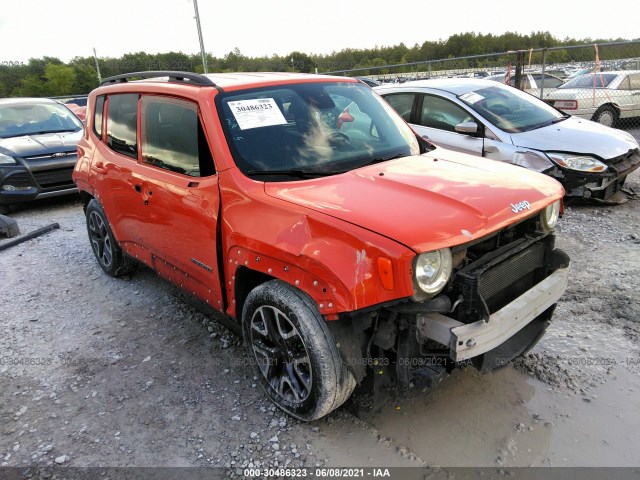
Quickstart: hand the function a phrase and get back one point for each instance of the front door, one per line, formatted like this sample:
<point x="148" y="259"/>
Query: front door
<point x="437" y="118"/>
<point x="178" y="188"/>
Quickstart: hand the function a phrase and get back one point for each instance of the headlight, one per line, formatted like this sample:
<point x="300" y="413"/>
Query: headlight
<point x="582" y="163"/>
<point x="6" y="160"/>
<point x="432" y="272"/>
<point x="549" y="216"/>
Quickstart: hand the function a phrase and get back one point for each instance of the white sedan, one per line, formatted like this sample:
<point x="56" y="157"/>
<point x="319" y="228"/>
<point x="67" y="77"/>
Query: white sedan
<point x="603" y="97"/>
<point x="534" y="83"/>
<point x="499" y="122"/>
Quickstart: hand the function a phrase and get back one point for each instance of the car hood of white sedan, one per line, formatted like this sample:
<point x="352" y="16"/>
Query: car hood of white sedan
<point x="577" y="135"/>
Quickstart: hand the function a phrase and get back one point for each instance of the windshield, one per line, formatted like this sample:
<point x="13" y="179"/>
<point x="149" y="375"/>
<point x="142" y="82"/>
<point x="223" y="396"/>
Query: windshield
<point x="510" y="109"/>
<point x="599" y="80"/>
<point x="21" y="119"/>
<point x="311" y="129"/>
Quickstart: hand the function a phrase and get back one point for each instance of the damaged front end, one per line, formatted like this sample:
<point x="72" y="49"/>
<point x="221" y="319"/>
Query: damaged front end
<point x="495" y="306"/>
<point x="606" y="186"/>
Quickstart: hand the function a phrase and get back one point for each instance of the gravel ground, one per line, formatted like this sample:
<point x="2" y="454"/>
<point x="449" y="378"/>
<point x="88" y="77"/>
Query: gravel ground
<point x="97" y="371"/>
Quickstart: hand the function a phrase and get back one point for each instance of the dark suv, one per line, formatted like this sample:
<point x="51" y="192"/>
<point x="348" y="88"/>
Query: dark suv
<point x="38" y="139"/>
<point x="306" y="210"/>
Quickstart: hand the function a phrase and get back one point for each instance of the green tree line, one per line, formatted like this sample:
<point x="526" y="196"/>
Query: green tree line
<point x="48" y="76"/>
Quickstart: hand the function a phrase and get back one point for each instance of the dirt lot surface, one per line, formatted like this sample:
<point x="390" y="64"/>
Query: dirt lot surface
<point x="96" y="371"/>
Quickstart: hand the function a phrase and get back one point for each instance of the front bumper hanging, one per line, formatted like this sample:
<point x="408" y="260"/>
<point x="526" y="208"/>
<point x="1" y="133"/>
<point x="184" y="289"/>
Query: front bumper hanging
<point x="466" y="341"/>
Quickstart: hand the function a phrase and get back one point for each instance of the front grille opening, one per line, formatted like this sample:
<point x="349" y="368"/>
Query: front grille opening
<point x="498" y="278"/>
<point x="18" y="180"/>
<point x="511" y="292"/>
<point x="59" y="177"/>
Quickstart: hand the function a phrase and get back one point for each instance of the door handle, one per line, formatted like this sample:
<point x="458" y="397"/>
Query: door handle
<point x="490" y="149"/>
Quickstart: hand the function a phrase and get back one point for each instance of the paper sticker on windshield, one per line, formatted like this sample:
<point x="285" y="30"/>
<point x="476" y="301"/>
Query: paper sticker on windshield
<point x="258" y="112"/>
<point x="471" y="98"/>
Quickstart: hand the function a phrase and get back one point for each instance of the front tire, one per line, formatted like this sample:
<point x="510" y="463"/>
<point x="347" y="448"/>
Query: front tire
<point x="110" y="256"/>
<point x="607" y="116"/>
<point x="294" y="354"/>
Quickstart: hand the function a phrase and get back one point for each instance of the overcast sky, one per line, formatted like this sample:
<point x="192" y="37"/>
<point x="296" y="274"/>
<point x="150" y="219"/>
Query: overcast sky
<point x="69" y="28"/>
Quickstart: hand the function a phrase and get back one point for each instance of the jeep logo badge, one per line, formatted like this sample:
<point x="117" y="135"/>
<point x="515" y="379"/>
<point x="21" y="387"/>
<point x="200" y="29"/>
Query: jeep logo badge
<point x="518" y="207"/>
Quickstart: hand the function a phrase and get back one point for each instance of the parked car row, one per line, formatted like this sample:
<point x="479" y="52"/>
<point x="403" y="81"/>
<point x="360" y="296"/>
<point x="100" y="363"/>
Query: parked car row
<point x="328" y="225"/>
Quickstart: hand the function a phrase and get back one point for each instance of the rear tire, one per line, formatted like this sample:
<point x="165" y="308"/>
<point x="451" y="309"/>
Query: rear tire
<point x="293" y="352"/>
<point x="607" y="116"/>
<point x="110" y="256"/>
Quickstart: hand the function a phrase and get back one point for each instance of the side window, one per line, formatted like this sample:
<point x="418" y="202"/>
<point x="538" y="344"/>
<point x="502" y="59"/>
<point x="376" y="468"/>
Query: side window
<point x="442" y="114"/>
<point x="547" y="81"/>
<point x="173" y="138"/>
<point x="625" y="84"/>
<point x="122" y="121"/>
<point x="401" y="103"/>
<point x="634" y="81"/>
<point x="97" y="116"/>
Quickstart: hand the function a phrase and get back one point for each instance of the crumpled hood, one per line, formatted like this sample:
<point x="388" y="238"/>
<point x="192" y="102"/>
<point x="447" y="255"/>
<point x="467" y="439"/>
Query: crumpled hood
<point x="577" y="135"/>
<point x="429" y="201"/>
<point x="30" y="145"/>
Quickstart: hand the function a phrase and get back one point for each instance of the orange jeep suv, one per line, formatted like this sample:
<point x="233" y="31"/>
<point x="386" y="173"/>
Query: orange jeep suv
<point x="330" y="235"/>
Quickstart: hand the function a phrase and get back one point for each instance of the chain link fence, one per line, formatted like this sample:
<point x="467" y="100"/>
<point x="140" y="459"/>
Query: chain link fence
<point x="596" y="82"/>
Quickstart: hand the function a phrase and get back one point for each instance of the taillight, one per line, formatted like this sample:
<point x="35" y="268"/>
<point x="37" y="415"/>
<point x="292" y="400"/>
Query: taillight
<point x="566" y="104"/>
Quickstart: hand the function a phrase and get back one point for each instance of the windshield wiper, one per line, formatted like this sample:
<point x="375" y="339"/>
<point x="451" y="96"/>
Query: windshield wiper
<point x="554" y="121"/>
<point x="24" y="134"/>
<point x="42" y="132"/>
<point x="382" y="159"/>
<point x="295" y="172"/>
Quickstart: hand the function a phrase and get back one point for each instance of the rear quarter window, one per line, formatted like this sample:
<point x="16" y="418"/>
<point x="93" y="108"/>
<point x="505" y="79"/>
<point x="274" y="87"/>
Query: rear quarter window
<point x="97" y="116"/>
<point x="122" y="124"/>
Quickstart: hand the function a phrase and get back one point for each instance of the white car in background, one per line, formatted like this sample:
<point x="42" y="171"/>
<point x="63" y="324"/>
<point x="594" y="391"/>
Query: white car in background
<point x="499" y="122"/>
<point x="603" y="97"/>
<point x="534" y="83"/>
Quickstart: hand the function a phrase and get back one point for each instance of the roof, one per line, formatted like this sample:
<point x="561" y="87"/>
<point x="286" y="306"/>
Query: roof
<point x="612" y="72"/>
<point x="26" y="100"/>
<point x="250" y="78"/>
<point x="221" y="80"/>
<point x="457" y="86"/>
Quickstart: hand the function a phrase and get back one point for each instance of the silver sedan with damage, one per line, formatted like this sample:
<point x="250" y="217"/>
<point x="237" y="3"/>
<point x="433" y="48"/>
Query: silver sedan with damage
<point x="499" y="122"/>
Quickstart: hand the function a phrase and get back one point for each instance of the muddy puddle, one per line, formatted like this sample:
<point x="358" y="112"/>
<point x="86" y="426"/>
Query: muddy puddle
<point x="508" y="418"/>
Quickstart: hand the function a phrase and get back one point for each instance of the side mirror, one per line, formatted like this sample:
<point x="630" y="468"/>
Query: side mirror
<point x="467" y="127"/>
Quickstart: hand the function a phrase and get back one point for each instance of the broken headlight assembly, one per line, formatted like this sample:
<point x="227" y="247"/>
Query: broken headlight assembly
<point x="581" y="163"/>
<point x="432" y="271"/>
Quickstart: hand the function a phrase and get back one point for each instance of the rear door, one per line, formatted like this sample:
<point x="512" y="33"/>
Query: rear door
<point x="177" y="189"/>
<point x="113" y="166"/>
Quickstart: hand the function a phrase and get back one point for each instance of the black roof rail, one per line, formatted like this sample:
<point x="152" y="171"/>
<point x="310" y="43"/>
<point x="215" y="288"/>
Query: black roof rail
<point x="193" y="78"/>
